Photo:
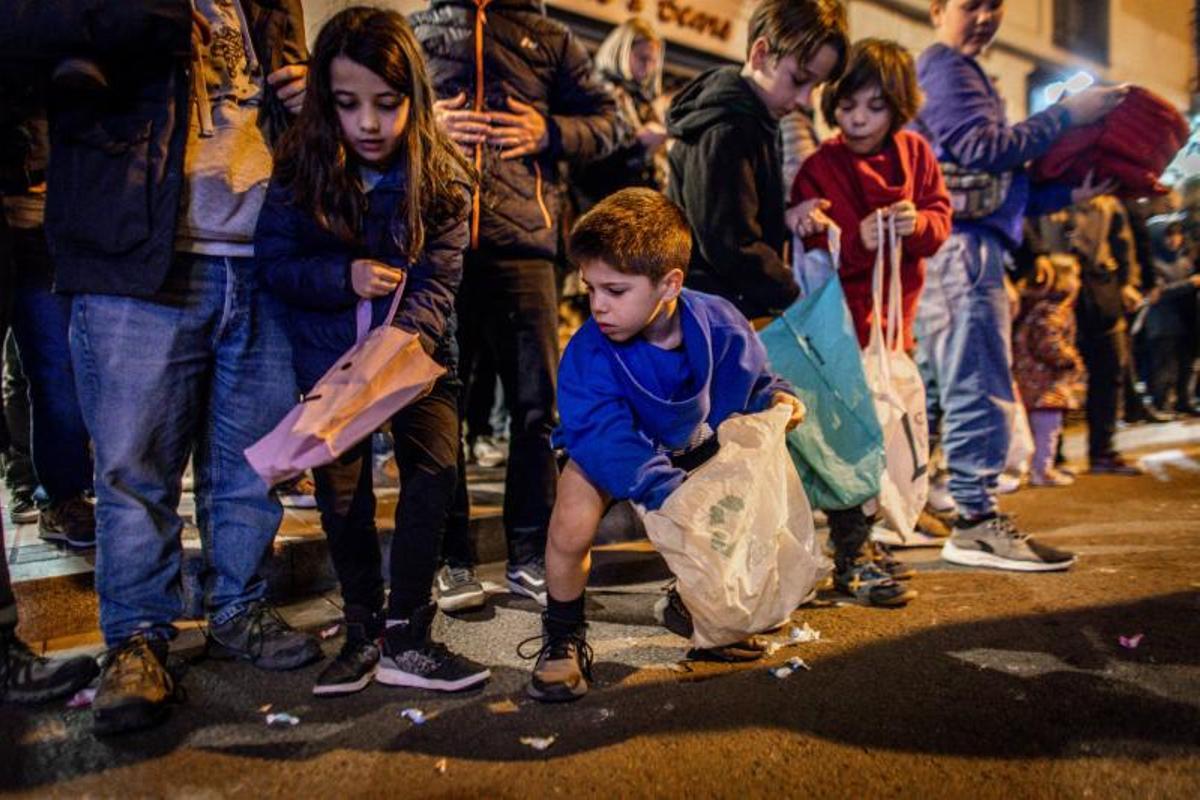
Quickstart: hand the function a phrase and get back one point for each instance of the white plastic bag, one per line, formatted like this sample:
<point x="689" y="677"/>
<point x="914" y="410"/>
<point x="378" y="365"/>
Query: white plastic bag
<point x="738" y="534"/>
<point x="899" y="397"/>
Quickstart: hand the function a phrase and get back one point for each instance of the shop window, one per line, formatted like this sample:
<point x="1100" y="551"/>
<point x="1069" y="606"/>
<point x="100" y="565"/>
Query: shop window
<point x="1081" y="26"/>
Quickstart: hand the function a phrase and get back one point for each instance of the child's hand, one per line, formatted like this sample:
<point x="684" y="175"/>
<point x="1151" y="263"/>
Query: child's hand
<point x="1089" y="188"/>
<point x="1091" y="105"/>
<point x="868" y="232"/>
<point x="798" y="409"/>
<point x="373" y="278"/>
<point x="808" y="218"/>
<point x="652" y="136"/>
<point x="905" y="215"/>
<point x="289" y="83"/>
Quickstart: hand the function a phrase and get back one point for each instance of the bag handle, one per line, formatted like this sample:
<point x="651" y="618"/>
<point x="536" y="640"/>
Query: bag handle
<point x="363" y="313"/>
<point x="834" y="234"/>
<point x="895" y="311"/>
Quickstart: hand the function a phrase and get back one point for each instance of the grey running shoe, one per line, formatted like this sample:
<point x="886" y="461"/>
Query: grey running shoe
<point x="262" y="637"/>
<point x="29" y="678"/>
<point x="995" y="542"/>
<point x="411" y="658"/>
<point x="458" y="589"/>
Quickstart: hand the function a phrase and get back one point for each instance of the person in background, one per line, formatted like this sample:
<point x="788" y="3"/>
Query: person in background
<point x="873" y="165"/>
<point x="58" y="443"/>
<point x="1171" y="320"/>
<point x="1099" y="235"/>
<point x="25" y="677"/>
<point x="629" y="64"/>
<point x="516" y="90"/>
<point x="1046" y="364"/>
<point x="963" y="326"/>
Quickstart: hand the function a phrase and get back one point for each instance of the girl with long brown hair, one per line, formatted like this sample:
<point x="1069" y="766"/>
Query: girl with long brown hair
<point x="370" y="198"/>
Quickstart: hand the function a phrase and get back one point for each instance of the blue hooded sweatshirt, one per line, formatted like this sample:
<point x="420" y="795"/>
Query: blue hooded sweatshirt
<point x="963" y="118"/>
<point x="627" y="407"/>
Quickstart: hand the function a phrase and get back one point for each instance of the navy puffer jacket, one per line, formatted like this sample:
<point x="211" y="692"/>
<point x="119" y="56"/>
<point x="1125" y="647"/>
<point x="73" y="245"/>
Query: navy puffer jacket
<point x="537" y="61"/>
<point x="308" y="267"/>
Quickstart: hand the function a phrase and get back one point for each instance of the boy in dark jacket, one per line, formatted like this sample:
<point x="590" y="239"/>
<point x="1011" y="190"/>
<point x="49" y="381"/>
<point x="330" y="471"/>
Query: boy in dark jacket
<point x="642" y="387"/>
<point x="518" y="95"/>
<point x="726" y="170"/>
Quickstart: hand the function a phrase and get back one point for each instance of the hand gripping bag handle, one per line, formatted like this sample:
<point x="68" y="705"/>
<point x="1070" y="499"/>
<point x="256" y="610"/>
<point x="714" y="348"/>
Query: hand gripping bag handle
<point x="362" y="318"/>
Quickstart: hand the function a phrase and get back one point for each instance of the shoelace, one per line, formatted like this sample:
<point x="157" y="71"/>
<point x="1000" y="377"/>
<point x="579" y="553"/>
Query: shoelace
<point x="559" y="647"/>
<point x="132" y="651"/>
<point x="459" y="575"/>
<point x="1003" y="525"/>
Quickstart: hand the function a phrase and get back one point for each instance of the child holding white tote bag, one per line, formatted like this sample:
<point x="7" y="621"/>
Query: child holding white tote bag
<point x="874" y="168"/>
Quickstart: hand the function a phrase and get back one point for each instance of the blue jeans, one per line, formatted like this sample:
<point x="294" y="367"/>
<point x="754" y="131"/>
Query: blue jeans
<point x="40" y="319"/>
<point x="964" y="332"/>
<point x="204" y="365"/>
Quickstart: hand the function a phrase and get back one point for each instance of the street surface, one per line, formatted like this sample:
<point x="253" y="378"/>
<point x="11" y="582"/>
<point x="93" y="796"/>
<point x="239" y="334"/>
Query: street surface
<point x="988" y="685"/>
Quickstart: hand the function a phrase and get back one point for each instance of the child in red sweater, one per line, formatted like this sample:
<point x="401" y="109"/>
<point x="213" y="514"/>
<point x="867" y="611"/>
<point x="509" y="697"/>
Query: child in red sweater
<point x="871" y="165"/>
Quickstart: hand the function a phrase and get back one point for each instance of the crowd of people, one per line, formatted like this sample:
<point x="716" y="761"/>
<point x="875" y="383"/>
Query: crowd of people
<point x="196" y="209"/>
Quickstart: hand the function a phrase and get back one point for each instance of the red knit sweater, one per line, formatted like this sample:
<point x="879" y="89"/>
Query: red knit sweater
<point x="904" y="169"/>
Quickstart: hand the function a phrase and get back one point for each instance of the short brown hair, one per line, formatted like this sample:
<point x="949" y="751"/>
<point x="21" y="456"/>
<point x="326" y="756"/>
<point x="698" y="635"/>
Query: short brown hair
<point x="635" y="231"/>
<point x="882" y="63"/>
<point x="799" y="28"/>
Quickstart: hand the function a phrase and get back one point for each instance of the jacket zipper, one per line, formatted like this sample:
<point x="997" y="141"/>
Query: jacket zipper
<point x="480" y="21"/>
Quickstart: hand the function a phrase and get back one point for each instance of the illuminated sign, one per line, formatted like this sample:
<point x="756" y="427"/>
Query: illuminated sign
<point x="708" y="25"/>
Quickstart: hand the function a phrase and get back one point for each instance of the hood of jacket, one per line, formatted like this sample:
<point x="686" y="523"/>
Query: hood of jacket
<point x="716" y="94"/>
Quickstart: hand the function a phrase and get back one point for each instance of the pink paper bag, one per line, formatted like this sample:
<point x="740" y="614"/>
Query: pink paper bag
<point x="386" y="370"/>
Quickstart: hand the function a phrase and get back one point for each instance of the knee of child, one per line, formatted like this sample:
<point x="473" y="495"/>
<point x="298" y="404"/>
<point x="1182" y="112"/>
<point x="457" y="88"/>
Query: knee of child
<point x="572" y="530"/>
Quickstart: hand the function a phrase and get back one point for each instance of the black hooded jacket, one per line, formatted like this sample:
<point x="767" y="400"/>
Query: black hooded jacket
<point x="536" y="60"/>
<point x="727" y="175"/>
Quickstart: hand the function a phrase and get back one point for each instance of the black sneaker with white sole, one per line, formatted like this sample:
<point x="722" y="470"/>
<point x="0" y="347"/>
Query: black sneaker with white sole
<point x="411" y="658"/>
<point x="353" y="669"/>
<point x="458" y="589"/>
<point x="528" y="579"/>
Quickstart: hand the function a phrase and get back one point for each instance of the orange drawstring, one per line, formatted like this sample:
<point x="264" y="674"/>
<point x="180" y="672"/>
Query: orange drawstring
<point x="480" y="21"/>
<point x="537" y="190"/>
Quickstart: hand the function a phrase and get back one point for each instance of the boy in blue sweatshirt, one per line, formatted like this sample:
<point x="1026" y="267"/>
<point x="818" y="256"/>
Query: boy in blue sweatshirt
<point x="641" y="388"/>
<point x="962" y="325"/>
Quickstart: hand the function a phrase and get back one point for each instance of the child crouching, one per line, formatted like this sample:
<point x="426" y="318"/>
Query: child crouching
<point x="641" y="388"/>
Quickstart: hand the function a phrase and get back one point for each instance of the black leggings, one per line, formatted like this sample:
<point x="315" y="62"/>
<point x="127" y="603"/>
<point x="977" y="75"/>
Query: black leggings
<point x="426" y="441"/>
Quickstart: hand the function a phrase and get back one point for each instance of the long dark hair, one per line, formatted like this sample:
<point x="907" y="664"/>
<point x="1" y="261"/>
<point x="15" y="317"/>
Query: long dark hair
<point x="312" y="161"/>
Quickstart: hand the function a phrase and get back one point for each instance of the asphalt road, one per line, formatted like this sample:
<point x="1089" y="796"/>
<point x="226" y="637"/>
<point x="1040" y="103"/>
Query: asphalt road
<point x="989" y="685"/>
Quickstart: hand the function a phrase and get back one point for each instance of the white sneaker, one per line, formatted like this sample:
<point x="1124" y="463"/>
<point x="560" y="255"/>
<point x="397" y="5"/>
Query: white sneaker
<point x="487" y="453"/>
<point x="1008" y="483"/>
<point x="1052" y="477"/>
<point x="940" y="499"/>
<point x="882" y="534"/>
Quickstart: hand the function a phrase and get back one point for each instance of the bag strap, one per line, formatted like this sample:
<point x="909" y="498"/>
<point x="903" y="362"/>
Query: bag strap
<point x="363" y="313"/>
<point x="895" y="311"/>
<point x="834" y="234"/>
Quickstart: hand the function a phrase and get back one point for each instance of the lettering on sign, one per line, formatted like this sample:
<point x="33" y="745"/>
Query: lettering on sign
<point x="678" y="12"/>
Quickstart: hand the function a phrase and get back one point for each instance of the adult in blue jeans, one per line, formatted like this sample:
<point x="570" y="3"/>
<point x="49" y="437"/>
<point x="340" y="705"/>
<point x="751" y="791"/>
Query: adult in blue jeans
<point x="963" y="325"/>
<point x="161" y="142"/>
